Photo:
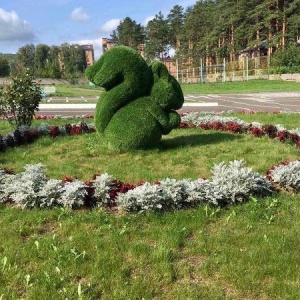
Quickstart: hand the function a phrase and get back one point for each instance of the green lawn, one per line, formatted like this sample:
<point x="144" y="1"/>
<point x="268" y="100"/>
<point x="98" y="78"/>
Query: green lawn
<point x="68" y="90"/>
<point x="251" y="86"/>
<point x="248" y="251"/>
<point x="182" y="154"/>
<point x="237" y="87"/>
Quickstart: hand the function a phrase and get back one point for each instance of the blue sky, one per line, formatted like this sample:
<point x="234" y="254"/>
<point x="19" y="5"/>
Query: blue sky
<point x="54" y="22"/>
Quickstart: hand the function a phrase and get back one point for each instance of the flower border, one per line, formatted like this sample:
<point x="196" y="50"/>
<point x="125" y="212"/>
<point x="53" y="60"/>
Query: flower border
<point x="167" y="193"/>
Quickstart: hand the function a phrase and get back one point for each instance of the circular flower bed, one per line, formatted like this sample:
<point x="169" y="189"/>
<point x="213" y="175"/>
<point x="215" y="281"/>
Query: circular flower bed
<point x="229" y="183"/>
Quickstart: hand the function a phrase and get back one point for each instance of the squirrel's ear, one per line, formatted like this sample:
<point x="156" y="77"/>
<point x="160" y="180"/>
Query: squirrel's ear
<point x="159" y="69"/>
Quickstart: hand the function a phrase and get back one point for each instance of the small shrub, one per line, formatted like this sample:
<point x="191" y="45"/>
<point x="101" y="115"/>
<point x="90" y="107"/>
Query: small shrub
<point x="102" y="187"/>
<point x="235" y="182"/>
<point x="73" y="195"/>
<point x="19" y="100"/>
<point x="50" y="193"/>
<point x="286" y="175"/>
<point x="143" y="198"/>
<point x="23" y="187"/>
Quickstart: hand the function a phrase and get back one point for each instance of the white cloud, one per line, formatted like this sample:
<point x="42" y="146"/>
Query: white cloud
<point x="79" y="15"/>
<point x="97" y="44"/>
<point x="109" y="26"/>
<point x="148" y="19"/>
<point x="15" y="28"/>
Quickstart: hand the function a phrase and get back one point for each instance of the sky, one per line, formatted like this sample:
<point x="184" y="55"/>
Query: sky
<point x="53" y="22"/>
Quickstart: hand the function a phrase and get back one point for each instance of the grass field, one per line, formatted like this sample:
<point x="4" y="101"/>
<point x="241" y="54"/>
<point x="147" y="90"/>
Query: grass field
<point x="183" y="153"/>
<point x="68" y="90"/>
<point x="248" y="251"/>
<point x="237" y="87"/>
<point x="252" y="86"/>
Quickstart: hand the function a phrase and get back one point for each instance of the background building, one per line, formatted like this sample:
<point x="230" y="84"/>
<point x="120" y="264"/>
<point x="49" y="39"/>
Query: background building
<point x="106" y="44"/>
<point x="89" y="54"/>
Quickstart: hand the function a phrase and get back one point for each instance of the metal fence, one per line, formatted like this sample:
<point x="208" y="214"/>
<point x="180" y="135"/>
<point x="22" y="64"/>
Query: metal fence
<point x="243" y="69"/>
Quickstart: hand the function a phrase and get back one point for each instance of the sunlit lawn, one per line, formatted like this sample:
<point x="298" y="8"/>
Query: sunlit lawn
<point x="248" y="251"/>
<point x="251" y="86"/>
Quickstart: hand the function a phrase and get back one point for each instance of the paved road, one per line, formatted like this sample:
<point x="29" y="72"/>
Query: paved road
<point x="267" y="102"/>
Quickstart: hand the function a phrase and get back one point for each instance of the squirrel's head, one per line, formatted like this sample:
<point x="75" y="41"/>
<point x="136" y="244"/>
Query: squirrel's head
<point x="166" y="90"/>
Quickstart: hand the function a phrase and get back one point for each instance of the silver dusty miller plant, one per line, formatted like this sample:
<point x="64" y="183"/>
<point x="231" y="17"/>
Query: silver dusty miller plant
<point x="73" y="194"/>
<point x="233" y="182"/>
<point x="142" y="198"/>
<point x="50" y="194"/>
<point x="102" y="185"/>
<point x="230" y="183"/>
<point x="23" y="187"/>
<point x="287" y="176"/>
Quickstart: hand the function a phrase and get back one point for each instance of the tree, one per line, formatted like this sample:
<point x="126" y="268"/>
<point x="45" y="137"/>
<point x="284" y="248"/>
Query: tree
<point x="197" y="30"/>
<point x="73" y="61"/>
<point x="129" y="33"/>
<point x="175" y="21"/>
<point x="158" y="42"/>
<point x="25" y="57"/>
<point x="41" y="58"/>
<point x="52" y="66"/>
<point x="4" y="67"/>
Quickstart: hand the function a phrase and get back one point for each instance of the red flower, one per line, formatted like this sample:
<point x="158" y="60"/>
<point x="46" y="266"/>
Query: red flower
<point x="294" y="138"/>
<point x="216" y="125"/>
<point x="233" y="127"/>
<point x="183" y="125"/>
<point x="68" y="179"/>
<point x="282" y="135"/>
<point x="270" y="130"/>
<point x="204" y="126"/>
<point x="120" y="187"/>
<point x="257" y="132"/>
<point x="54" y="131"/>
<point x="75" y="130"/>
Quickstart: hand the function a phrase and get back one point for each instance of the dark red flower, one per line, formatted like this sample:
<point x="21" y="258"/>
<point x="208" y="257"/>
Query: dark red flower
<point x="183" y="125"/>
<point x="256" y="131"/>
<point x="270" y="130"/>
<point x="216" y="125"/>
<point x="233" y="127"/>
<point x="75" y="130"/>
<point x="54" y="131"/>
<point x="68" y="179"/>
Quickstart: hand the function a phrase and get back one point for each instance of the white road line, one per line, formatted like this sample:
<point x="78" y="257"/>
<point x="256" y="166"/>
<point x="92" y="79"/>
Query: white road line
<point x="93" y="106"/>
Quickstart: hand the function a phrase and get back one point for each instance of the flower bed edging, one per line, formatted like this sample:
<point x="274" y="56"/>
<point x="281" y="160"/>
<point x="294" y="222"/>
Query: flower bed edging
<point x="25" y="135"/>
<point x="235" y="125"/>
<point x="230" y="183"/>
<point x="31" y="188"/>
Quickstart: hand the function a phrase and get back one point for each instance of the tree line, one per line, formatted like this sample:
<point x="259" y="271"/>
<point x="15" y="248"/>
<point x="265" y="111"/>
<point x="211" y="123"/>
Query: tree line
<point x="209" y="30"/>
<point x="65" y="61"/>
<point x="214" y="30"/>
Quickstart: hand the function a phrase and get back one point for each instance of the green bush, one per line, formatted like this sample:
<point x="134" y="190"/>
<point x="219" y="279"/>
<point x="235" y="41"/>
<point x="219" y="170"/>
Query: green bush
<point x="20" y="99"/>
<point x="4" y="67"/>
<point x="286" y="61"/>
<point x="138" y="104"/>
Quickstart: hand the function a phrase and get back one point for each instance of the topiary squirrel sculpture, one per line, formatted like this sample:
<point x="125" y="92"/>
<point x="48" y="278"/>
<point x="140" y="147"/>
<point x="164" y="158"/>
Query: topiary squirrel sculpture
<point x="139" y="102"/>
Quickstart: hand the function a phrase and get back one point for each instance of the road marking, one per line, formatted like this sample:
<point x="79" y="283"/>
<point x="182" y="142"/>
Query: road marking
<point x="52" y="106"/>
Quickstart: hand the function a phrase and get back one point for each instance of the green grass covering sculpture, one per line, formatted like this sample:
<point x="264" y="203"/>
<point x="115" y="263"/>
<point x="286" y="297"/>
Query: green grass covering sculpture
<point x="139" y="102"/>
